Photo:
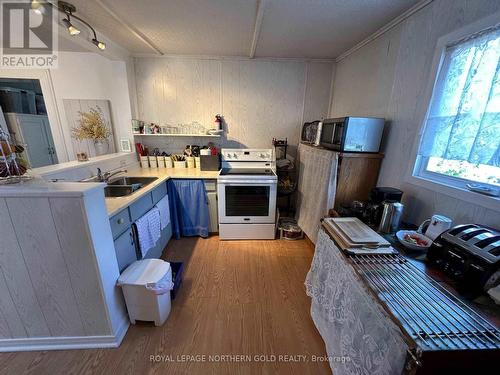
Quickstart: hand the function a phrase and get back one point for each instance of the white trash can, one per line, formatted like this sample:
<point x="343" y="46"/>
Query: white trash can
<point x="146" y="286"/>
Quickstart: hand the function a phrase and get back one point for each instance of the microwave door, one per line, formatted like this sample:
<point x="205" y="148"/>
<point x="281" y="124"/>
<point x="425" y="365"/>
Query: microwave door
<point x="338" y="135"/>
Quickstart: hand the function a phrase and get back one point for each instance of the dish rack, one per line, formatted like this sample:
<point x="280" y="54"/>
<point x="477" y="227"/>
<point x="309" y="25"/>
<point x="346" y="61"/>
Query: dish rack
<point x="12" y="172"/>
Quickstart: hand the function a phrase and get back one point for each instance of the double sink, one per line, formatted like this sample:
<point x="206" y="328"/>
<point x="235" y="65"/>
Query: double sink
<point x="123" y="186"/>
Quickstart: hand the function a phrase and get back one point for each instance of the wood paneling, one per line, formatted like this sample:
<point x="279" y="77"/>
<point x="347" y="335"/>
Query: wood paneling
<point x="84" y="279"/>
<point x="387" y="78"/>
<point x="20" y="307"/>
<point x="237" y="297"/>
<point x="46" y="266"/>
<point x="259" y="99"/>
<point x="357" y="175"/>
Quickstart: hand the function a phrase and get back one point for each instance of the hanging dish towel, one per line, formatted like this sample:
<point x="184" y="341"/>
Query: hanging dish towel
<point x="162" y="205"/>
<point x="188" y="207"/>
<point x="148" y="230"/>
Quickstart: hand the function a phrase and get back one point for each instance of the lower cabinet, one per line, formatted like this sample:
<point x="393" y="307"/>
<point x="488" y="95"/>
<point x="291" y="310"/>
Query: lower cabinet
<point x="125" y="237"/>
<point x="125" y="249"/>
<point x="165" y="236"/>
<point x="211" y="186"/>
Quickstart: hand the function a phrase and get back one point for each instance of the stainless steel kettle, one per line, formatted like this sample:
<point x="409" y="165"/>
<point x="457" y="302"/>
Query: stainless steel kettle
<point x="391" y="217"/>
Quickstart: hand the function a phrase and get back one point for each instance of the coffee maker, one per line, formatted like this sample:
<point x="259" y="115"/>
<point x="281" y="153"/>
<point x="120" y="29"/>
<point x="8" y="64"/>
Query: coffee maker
<point x="374" y="207"/>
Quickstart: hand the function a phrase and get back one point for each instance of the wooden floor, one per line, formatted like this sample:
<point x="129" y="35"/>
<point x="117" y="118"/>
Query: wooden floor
<point x="240" y="300"/>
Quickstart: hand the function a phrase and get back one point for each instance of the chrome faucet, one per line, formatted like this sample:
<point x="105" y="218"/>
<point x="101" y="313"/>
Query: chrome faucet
<point x="104" y="177"/>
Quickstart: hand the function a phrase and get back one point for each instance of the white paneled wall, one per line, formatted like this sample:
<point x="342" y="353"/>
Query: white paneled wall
<point x="58" y="270"/>
<point x="259" y="99"/>
<point x="387" y="78"/>
<point x="82" y="75"/>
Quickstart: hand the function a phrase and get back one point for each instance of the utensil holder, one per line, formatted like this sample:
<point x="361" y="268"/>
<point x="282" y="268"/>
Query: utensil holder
<point x="190" y="162"/>
<point x="144" y="162"/>
<point x="180" y="164"/>
<point x="153" y="163"/>
<point x="168" y="162"/>
<point x="197" y="162"/>
<point x="161" y="162"/>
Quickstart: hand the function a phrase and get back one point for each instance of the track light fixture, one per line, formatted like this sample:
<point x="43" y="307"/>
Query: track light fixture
<point x="99" y="45"/>
<point x="69" y="10"/>
<point x="72" y="30"/>
<point x="38" y="7"/>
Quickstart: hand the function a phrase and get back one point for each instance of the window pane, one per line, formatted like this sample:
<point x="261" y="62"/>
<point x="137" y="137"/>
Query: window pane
<point x="481" y="173"/>
<point x="464" y="116"/>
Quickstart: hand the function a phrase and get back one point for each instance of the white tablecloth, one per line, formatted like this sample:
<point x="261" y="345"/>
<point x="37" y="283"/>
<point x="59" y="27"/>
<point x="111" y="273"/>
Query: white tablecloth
<point x="352" y="323"/>
<point x="316" y="187"/>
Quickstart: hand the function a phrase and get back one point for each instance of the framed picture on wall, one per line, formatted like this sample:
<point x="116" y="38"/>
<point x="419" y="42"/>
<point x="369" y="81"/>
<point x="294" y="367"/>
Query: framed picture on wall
<point x="125" y="145"/>
<point x="92" y="121"/>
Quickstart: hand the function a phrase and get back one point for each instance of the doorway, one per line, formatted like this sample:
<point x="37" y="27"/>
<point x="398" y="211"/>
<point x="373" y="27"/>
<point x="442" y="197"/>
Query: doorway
<point x="23" y="114"/>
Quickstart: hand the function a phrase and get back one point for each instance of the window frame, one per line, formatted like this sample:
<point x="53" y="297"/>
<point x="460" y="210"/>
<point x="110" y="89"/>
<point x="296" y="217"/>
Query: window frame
<point x="417" y="174"/>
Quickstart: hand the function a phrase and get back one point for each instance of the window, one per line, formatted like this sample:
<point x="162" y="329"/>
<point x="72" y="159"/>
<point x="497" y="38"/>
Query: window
<point x="461" y="139"/>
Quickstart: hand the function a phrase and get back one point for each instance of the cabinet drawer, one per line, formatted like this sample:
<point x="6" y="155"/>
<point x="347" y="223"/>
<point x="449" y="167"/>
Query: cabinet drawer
<point x="140" y="207"/>
<point x="159" y="192"/>
<point x="211" y="185"/>
<point x="125" y="249"/>
<point x="119" y="222"/>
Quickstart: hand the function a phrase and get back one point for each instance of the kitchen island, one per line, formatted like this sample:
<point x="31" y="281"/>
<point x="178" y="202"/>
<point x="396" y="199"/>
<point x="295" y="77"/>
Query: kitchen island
<point x="59" y="262"/>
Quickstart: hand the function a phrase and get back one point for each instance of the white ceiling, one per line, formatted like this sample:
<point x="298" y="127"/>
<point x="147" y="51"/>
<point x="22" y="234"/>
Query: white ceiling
<point x="289" y="28"/>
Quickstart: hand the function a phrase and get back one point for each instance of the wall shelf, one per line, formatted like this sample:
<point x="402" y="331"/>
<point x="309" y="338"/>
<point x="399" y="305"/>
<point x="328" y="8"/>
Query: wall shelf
<point x="178" y="135"/>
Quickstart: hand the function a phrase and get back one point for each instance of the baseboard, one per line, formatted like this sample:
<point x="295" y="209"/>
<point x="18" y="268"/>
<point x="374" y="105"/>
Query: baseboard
<point x="122" y="331"/>
<point x="64" y="343"/>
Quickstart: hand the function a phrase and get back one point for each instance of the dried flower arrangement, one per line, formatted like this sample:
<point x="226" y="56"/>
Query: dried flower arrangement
<point x="91" y="125"/>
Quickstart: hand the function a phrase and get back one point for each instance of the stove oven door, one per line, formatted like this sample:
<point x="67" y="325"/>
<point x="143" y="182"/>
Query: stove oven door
<point x="247" y="201"/>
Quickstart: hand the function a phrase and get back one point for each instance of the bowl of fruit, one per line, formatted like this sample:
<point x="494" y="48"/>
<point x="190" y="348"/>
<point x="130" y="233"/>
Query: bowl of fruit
<point x="413" y="240"/>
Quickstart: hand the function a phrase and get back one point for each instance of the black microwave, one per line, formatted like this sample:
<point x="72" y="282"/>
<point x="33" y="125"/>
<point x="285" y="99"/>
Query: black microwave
<point x="352" y="134"/>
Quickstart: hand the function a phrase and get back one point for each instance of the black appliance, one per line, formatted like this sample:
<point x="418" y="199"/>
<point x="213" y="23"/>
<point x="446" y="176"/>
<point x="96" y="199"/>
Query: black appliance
<point x="373" y="209"/>
<point x="352" y="134"/>
<point x="468" y="253"/>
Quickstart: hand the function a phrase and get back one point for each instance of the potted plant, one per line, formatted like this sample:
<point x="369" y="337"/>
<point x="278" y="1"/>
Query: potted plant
<point x="93" y="126"/>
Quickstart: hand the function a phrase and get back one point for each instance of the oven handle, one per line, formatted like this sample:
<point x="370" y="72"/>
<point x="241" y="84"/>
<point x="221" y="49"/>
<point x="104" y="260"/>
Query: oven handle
<point x="246" y="182"/>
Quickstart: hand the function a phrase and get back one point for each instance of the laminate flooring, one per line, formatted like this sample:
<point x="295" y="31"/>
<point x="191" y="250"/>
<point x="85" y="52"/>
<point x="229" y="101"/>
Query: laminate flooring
<point x="242" y="309"/>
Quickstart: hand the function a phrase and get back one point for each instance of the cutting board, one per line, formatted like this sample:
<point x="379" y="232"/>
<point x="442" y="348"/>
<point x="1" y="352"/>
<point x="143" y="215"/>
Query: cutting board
<point x="353" y="233"/>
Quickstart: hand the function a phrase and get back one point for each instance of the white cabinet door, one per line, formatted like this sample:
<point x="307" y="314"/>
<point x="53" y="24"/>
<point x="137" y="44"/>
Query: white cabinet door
<point x="34" y="131"/>
<point x="213" y="226"/>
<point x="37" y="142"/>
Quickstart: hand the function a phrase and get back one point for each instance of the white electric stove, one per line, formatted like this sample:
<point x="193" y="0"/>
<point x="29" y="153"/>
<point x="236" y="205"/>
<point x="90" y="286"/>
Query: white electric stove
<point x="246" y="188"/>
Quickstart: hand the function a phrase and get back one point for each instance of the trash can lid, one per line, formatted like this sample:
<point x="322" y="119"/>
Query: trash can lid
<point x="144" y="272"/>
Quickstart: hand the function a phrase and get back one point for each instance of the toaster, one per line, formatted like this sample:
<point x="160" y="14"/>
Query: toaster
<point x="311" y="133"/>
<point x="470" y="254"/>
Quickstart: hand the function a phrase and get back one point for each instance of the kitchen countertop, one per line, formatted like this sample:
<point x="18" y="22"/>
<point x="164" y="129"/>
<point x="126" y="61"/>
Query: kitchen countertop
<point x="114" y="205"/>
<point x="37" y="187"/>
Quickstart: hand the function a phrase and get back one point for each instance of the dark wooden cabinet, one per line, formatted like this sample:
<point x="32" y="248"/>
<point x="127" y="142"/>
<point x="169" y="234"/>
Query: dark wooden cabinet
<point x="357" y="174"/>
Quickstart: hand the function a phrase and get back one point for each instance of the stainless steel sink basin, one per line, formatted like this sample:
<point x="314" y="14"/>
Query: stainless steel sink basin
<point x="118" y="191"/>
<point x="130" y="180"/>
<point x="123" y="186"/>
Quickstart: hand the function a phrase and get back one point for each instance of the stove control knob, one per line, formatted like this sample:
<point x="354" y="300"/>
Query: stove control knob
<point x="262" y="156"/>
<point x="228" y="156"/>
<point x="235" y="156"/>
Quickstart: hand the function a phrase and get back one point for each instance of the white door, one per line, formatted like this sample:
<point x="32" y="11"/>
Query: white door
<point x="38" y="138"/>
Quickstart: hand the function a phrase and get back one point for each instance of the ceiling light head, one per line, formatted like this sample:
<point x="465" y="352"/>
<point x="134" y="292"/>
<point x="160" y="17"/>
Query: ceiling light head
<point x="38" y="7"/>
<point x="100" y="45"/>
<point x="72" y="30"/>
